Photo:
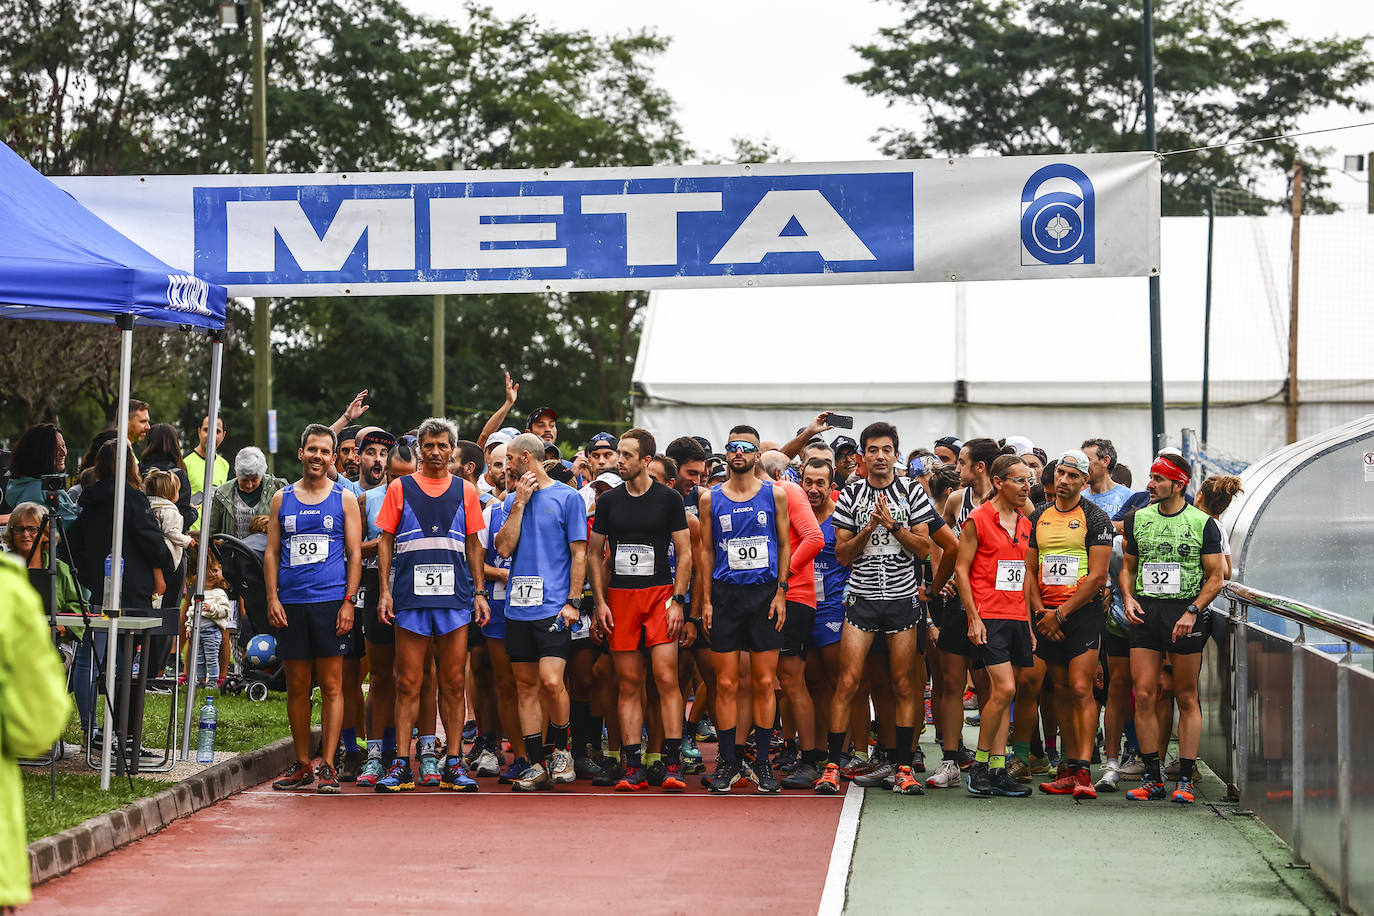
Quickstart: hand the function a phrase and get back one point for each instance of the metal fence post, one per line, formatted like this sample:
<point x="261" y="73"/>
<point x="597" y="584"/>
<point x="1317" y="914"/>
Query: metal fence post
<point x="1343" y="774"/>
<point x="1240" y="725"/>
<point x="1299" y="755"/>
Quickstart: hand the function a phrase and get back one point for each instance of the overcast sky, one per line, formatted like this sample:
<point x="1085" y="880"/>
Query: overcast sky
<point x="776" y="70"/>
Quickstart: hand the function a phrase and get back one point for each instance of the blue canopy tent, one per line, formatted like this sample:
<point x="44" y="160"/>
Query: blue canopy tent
<point x="60" y="262"/>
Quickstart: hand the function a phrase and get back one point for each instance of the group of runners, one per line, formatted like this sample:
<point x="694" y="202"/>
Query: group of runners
<point x="811" y="606"/>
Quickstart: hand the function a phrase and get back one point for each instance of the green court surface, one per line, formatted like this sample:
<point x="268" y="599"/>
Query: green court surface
<point x="948" y="852"/>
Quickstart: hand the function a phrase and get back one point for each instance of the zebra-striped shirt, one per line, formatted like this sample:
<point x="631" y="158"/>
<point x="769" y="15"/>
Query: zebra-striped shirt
<point x="884" y="570"/>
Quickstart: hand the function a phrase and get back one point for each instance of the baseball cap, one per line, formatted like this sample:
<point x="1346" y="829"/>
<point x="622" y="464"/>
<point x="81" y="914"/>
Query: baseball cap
<point x="551" y="451"/>
<point x="1169" y="450"/>
<point x="539" y="412"/>
<point x="704" y="443"/>
<point x="1022" y="445"/>
<point x="609" y="478"/>
<point x="501" y="436"/>
<point x="375" y="435"/>
<point x="843" y="443"/>
<point x="1074" y="460"/>
<point x="349" y="432"/>
<point x="601" y="440"/>
<point x="953" y="443"/>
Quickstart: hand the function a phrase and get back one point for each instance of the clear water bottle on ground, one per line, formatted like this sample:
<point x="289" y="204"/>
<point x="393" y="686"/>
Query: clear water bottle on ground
<point x="205" y="738"/>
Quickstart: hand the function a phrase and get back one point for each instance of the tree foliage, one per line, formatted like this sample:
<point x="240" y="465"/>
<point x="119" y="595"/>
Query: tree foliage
<point x="1018" y="77"/>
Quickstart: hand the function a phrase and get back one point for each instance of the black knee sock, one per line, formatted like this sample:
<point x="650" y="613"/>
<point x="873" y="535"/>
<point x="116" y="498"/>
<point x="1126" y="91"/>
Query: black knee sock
<point x="726" y="745"/>
<point x="558" y="736"/>
<point x="631" y="754"/>
<point x="534" y="748"/>
<point x="763" y="738"/>
<point x="580" y="722"/>
<point x="1151" y="761"/>
<point x="902" y="754"/>
<point x="834" y="745"/>
<point x="1185" y="767"/>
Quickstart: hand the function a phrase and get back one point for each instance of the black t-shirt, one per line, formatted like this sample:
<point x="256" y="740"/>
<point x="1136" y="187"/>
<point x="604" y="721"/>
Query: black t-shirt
<point x="639" y="529"/>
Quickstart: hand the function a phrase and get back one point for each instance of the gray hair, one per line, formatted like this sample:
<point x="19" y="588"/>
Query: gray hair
<point x="21" y="512"/>
<point x="774" y="463"/>
<point x="525" y="443"/>
<point x="437" y="426"/>
<point x="250" y="462"/>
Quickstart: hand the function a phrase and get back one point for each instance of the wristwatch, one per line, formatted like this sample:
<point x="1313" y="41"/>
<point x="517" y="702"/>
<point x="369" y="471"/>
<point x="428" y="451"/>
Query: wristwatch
<point x="680" y="599"/>
<point x="351" y="599"/>
<point x="1190" y="609"/>
<point x="783" y="586"/>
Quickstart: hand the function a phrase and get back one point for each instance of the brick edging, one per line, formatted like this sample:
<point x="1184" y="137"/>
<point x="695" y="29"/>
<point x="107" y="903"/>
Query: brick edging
<point x="55" y="855"/>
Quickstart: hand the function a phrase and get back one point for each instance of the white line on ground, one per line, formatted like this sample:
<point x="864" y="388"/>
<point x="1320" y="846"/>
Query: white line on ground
<point x="506" y="793"/>
<point x="837" y="875"/>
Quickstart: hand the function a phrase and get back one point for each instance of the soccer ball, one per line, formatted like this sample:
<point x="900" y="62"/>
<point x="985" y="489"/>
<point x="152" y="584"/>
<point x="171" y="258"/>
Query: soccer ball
<point x="262" y="651"/>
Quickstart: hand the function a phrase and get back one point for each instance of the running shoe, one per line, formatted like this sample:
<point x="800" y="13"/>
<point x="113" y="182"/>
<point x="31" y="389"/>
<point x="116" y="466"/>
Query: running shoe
<point x="877" y="776"/>
<point x="486" y="763"/>
<point x="803" y="776"/>
<point x="1039" y="766"/>
<point x="1183" y="792"/>
<point x="1171" y="769"/>
<point x="970" y="700"/>
<point x="1084" y="791"/>
<point x="611" y="770"/>
<point x="1055" y="761"/>
<point x="371" y="772"/>
<point x="352" y="766"/>
<point x="930" y="717"/>
<point x="635" y="778"/>
<point x="672" y="779"/>
<point x="326" y="779"/>
<point x="431" y="774"/>
<point x="1005" y="786"/>
<point x="691" y="757"/>
<point x="973" y="718"/>
<point x="1131" y="766"/>
<point x="918" y="761"/>
<point x="724" y="778"/>
<point x="1061" y="785"/>
<point x="469" y="731"/>
<point x="1018" y="770"/>
<point x="746" y="768"/>
<point x="398" y="778"/>
<point x="455" y="778"/>
<point x="1148" y="790"/>
<point x="1109" y="780"/>
<point x="966" y="756"/>
<point x="767" y="783"/>
<point x="706" y="732"/>
<point x="561" y="766"/>
<point x="862" y="766"/>
<point x="904" y="782"/>
<point x="297" y="776"/>
<point x="534" y="779"/>
<point x="517" y="768"/>
<point x="829" y="783"/>
<point x="979" y="780"/>
<point x="657" y="771"/>
<point x="585" y="768"/>
<point x="946" y="776"/>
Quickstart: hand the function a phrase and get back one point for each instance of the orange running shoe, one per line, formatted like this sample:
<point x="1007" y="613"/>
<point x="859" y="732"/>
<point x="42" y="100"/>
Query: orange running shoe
<point x="1084" y="790"/>
<point x="672" y="780"/>
<point x="904" y="782"/>
<point x="1148" y="790"/>
<point x="1183" y="792"/>
<point x="1063" y="785"/>
<point x="829" y="783"/>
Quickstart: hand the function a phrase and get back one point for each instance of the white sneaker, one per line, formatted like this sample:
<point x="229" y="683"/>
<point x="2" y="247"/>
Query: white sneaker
<point x="1107" y="782"/>
<point x="946" y="777"/>
<point x="561" y="767"/>
<point x="1132" y="767"/>
<point x="486" y="764"/>
<point x="535" y="779"/>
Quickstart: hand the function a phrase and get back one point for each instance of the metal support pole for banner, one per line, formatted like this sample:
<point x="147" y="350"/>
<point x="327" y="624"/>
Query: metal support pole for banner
<point x="206" y="497"/>
<point x="262" y="308"/>
<point x="1157" y="440"/>
<point x="1207" y="315"/>
<point x="437" y="338"/>
<point x="114" y="582"/>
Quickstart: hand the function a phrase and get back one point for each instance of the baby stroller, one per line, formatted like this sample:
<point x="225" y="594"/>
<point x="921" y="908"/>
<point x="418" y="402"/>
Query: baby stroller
<point x="242" y="569"/>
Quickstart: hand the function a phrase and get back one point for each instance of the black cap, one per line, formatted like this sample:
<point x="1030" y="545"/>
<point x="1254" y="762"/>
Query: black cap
<point x="375" y="437"/>
<point x="844" y="443"/>
<point x="349" y="432"/>
<point x="539" y="412"/>
<point x="704" y="443"/>
<point x="953" y="443"/>
<point x="551" y="451"/>
<point x="601" y="440"/>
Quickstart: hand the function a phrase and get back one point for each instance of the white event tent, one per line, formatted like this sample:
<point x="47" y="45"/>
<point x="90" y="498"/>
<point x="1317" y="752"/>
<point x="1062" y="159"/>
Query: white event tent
<point x="1055" y="360"/>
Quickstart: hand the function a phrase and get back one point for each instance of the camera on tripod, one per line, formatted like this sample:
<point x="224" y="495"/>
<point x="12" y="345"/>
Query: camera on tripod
<point x="53" y="482"/>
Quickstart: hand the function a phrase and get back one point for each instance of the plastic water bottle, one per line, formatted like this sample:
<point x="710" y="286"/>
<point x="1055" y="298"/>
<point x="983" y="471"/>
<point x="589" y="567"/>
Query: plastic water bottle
<point x="205" y="738"/>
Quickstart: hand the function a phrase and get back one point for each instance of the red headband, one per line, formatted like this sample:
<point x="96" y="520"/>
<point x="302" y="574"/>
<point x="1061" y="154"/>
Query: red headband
<point x="1167" y="469"/>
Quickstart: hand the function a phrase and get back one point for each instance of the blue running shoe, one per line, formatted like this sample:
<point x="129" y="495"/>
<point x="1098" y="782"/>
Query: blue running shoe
<point x="398" y="778"/>
<point x="372" y="772"/>
<point x="517" y="768"/>
<point x="430" y="772"/>
<point x="455" y="777"/>
<point x="691" y="757"/>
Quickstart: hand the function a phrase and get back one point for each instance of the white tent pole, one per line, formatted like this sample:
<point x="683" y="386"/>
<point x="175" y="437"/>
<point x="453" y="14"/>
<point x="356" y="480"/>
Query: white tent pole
<point x="207" y="495"/>
<point x="115" y="583"/>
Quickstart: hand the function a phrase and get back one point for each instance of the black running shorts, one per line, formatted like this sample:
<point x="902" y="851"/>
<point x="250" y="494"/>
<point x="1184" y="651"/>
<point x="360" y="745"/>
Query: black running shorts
<point x="1008" y="641"/>
<point x="1082" y="632"/>
<point x="739" y="618"/>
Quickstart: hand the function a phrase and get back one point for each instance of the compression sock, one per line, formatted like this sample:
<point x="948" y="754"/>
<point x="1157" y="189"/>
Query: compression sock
<point x="558" y="736"/>
<point x="581" y="713"/>
<point x="374" y="749"/>
<point x="1051" y="746"/>
<point x="534" y="744"/>
<point x="903" y="753"/>
<point x="997" y="762"/>
<point x="488" y="741"/>
<point x="1021" y="749"/>
<point x="1151" y="767"/>
<point x="631" y="754"/>
<point x="672" y="751"/>
<point x="348" y="740"/>
<point x="729" y="751"/>
<point x="427" y="743"/>
<point x="763" y="739"/>
<point x="596" y="730"/>
<point x="388" y="739"/>
<point x="834" y="746"/>
<point x="815" y="757"/>
<point x="1185" y="767"/>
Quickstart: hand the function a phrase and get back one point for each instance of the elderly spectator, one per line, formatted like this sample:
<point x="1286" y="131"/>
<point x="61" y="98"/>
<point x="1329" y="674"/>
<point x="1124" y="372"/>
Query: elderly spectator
<point x="195" y="461"/>
<point x="40" y="450"/>
<point x="162" y="450"/>
<point x="247" y="495"/>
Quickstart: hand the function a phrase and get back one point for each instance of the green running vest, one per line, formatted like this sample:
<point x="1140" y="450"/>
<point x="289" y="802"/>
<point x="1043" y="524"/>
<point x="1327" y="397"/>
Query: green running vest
<point x="1170" y="539"/>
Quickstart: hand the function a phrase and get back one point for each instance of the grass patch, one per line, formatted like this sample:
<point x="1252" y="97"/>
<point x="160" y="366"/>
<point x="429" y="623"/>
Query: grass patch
<point x="243" y="725"/>
<point x="79" y="796"/>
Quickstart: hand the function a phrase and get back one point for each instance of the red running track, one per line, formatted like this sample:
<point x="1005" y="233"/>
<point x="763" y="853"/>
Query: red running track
<point x="575" y="849"/>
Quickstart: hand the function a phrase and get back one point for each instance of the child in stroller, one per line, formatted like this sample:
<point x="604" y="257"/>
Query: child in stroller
<point x="242" y="568"/>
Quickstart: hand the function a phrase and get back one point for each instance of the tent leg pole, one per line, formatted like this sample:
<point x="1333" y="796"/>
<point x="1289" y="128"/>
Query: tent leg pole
<point x="114" y="583"/>
<point x="207" y="495"/>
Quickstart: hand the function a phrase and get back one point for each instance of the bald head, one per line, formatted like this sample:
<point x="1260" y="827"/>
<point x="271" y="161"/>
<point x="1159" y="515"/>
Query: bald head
<point x="774" y="463"/>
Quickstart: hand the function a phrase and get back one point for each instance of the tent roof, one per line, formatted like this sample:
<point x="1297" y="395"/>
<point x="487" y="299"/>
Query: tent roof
<point x="60" y="262"/>
<point x="1040" y="342"/>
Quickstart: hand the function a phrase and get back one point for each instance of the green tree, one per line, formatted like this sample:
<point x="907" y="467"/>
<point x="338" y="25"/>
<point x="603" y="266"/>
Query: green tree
<point x="1019" y="77"/>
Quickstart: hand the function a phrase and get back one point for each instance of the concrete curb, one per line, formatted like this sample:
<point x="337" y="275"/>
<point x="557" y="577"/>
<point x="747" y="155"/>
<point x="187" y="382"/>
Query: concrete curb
<point x="53" y="856"/>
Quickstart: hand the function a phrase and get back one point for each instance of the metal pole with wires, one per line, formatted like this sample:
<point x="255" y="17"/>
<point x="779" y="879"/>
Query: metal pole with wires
<point x="1156" y="332"/>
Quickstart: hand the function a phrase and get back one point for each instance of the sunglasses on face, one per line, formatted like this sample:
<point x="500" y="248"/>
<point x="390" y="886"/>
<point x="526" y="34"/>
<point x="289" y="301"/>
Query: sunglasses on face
<point x="741" y="447"/>
<point x="1019" y="481"/>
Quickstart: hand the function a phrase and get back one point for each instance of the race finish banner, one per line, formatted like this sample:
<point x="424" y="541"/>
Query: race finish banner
<point x="356" y="234"/>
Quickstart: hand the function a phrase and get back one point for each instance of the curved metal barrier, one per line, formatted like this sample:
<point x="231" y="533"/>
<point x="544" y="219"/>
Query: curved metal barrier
<point x="1287" y="723"/>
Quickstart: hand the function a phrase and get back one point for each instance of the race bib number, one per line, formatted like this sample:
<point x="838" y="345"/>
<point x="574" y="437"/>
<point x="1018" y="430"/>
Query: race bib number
<point x="1011" y="575"/>
<point x="498" y="590"/>
<point x="1161" y="578"/>
<point x="308" y="549"/>
<point x="882" y="543"/>
<point x="747" y="553"/>
<point x="820" y="586"/>
<point x="434" y="578"/>
<point x="634" y="560"/>
<point x="526" y="591"/>
<point x="1059" y="570"/>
